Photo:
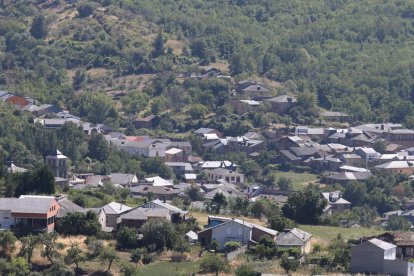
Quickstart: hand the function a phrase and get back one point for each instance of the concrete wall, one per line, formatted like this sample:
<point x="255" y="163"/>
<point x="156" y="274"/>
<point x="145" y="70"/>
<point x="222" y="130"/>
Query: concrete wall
<point x="230" y="231"/>
<point x="396" y="267"/>
<point x="366" y="258"/>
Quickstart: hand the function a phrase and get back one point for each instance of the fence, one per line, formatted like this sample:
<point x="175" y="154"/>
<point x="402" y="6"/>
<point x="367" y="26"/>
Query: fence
<point x="233" y="254"/>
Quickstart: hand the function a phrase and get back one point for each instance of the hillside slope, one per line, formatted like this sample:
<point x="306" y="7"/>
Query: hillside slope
<point x="357" y="57"/>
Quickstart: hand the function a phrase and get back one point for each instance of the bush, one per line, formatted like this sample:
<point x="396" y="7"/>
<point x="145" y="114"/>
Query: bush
<point x="231" y="246"/>
<point x="148" y="257"/>
<point x="137" y="254"/>
<point x="85" y="10"/>
<point x="213" y="263"/>
<point x="127" y="238"/>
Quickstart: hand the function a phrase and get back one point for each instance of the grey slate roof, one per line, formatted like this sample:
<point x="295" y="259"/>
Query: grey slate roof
<point x="145" y="213"/>
<point x="122" y="178"/>
<point x="33" y="205"/>
<point x="294" y="237"/>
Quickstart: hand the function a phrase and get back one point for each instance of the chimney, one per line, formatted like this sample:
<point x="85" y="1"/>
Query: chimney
<point x="163" y="199"/>
<point x="382" y="126"/>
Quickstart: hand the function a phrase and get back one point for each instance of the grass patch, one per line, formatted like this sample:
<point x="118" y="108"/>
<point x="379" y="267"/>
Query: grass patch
<point x="299" y="180"/>
<point x="168" y="269"/>
<point x="324" y="234"/>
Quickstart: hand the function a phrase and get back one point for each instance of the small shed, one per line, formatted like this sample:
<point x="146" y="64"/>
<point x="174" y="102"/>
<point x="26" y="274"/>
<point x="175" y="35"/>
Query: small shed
<point x="191" y="236"/>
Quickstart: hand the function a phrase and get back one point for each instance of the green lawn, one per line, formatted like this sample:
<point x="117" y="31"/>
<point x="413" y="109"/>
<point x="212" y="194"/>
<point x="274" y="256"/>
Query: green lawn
<point x="168" y="269"/>
<point x="299" y="180"/>
<point x="325" y="234"/>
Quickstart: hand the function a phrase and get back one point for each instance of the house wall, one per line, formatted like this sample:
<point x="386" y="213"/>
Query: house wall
<point x="111" y="220"/>
<point x="407" y="171"/>
<point x="6" y="219"/>
<point x="367" y="258"/>
<point x="257" y="234"/>
<point x="396" y="267"/>
<point x="231" y="231"/>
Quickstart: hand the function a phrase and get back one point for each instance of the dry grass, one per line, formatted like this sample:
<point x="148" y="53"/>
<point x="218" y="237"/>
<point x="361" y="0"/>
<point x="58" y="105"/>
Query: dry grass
<point x="176" y="45"/>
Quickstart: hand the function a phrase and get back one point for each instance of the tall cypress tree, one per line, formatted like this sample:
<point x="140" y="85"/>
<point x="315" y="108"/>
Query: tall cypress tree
<point x="39" y="27"/>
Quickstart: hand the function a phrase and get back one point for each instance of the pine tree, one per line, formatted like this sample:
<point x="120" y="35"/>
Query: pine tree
<point x="39" y="27"/>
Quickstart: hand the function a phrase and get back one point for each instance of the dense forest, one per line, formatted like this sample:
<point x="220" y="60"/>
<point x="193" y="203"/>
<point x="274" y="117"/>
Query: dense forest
<point x="356" y="58"/>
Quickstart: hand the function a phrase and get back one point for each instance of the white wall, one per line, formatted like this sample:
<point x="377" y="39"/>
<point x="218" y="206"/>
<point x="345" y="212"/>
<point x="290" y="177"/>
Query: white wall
<point x="5" y="219"/>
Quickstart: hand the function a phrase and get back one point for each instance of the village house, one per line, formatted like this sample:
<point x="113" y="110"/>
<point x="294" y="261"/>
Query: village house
<point x="182" y="145"/>
<point x="404" y="242"/>
<point x="252" y="90"/>
<point x="204" y="130"/>
<point x="67" y="206"/>
<point x="180" y="168"/>
<point x="335" y="202"/>
<point x="295" y="238"/>
<point x="282" y="104"/>
<point x="245" y="106"/>
<point x="147" y="122"/>
<point x="405" y="167"/>
<point x="136" y="217"/>
<point x="224" y="230"/>
<point x="378" y="257"/>
<point x="335" y="116"/>
<point x="125" y="180"/>
<point x="368" y="154"/>
<point x="352" y="159"/>
<point x="287" y="142"/>
<point x="158" y="192"/>
<point x="209" y="165"/>
<point x="174" y="155"/>
<point x="58" y="164"/>
<point x="177" y="215"/>
<point x="12" y="168"/>
<point x="326" y="163"/>
<point x="33" y="213"/>
<point x="229" y="176"/>
<point x="346" y="177"/>
<point x="109" y="215"/>
<point x="18" y="101"/>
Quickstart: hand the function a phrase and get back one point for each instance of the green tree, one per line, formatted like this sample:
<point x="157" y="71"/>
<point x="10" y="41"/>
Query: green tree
<point x="158" y="45"/>
<point x="213" y="263"/>
<point x="78" y="223"/>
<point x="219" y="201"/>
<point x="28" y="245"/>
<point x="280" y="223"/>
<point x="284" y="183"/>
<point x="289" y="263"/>
<point x="50" y="246"/>
<point x="108" y="255"/>
<point x="340" y="251"/>
<point x="74" y="255"/>
<point x="85" y="10"/>
<point x="159" y="233"/>
<point x="136" y="254"/>
<point x="127" y="238"/>
<point x="398" y="223"/>
<point x="305" y="206"/>
<point x="266" y="247"/>
<point x="98" y="147"/>
<point x="39" y="28"/>
<point x="7" y="243"/>
<point x="79" y="78"/>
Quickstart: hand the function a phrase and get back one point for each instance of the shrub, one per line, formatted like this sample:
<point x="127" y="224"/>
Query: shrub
<point x="231" y="246"/>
